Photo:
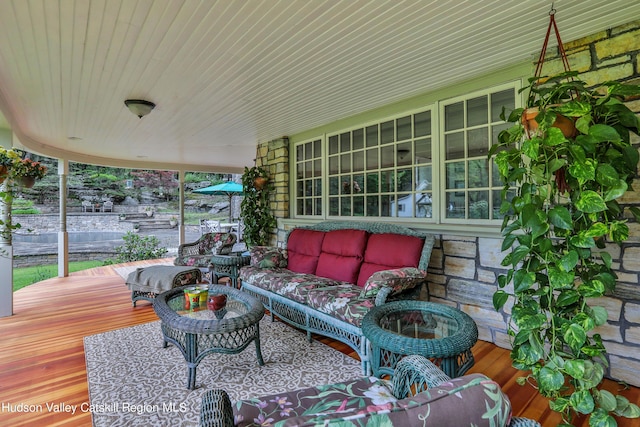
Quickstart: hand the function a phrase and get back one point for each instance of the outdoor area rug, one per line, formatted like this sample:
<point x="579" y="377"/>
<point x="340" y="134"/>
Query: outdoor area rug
<point x="133" y="381"/>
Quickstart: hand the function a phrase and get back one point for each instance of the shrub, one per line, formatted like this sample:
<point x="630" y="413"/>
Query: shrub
<point x="136" y="248"/>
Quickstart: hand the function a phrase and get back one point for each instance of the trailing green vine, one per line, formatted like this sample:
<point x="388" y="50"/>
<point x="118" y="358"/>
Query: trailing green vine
<point x="255" y="208"/>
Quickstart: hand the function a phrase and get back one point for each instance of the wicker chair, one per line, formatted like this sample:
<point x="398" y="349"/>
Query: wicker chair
<point x="198" y="254"/>
<point x="430" y="398"/>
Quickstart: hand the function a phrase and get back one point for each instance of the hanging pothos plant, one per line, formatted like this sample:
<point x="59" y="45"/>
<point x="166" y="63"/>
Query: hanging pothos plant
<point x="255" y="207"/>
<point x="561" y="209"/>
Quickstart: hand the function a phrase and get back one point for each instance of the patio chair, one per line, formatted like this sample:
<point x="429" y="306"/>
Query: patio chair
<point x="87" y="206"/>
<point x="107" y="206"/>
<point x="209" y="226"/>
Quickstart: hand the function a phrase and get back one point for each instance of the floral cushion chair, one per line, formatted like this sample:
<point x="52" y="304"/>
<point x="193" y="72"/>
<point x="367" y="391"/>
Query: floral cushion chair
<point x="198" y="254"/>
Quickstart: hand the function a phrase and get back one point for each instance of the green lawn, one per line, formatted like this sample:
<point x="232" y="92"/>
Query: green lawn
<point x="27" y="275"/>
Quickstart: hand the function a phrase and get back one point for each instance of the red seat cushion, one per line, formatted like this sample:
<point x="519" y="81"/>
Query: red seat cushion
<point x="303" y="250"/>
<point x="387" y="251"/>
<point x="342" y="254"/>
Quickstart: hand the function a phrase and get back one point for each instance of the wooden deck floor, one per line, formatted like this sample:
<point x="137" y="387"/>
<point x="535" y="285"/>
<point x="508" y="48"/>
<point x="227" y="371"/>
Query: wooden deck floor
<point x="42" y="355"/>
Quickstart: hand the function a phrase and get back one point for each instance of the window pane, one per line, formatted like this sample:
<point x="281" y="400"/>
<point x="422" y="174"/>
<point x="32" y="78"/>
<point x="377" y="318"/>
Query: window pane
<point x="299" y="189"/>
<point x="404" y="181"/>
<point x="317" y="167"/>
<point x="358" y="206"/>
<point x="424" y="207"/>
<point x="317" y="148"/>
<point x="334" y="206"/>
<point x="403" y="126"/>
<point x="345" y="181"/>
<point x="455" y="205"/>
<point x="308" y="169"/>
<point x="454" y="116"/>
<point x="386" y="181"/>
<point x="478" y="142"/>
<point x="358" y="184"/>
<point x="299" y="207"/>
<point x="333" y="144"/>
<point x="454" y="146"/>
<point x="479" y="205"/>
<point x="358" y="161"/>
<point x="477" y="111"/>
<point x="373" y="206"/>
<point x="423" y="178"/>
<point x="388" y="156"/>
<point x="385" y="205"/>
<point x="372" y="183"/>
<point x="358" y="139"/>
<point x="372" y="159"/>
<point x="505" y="98"/>
<point x="318" y="210"/>
<point x="386" y="132"/>
<point x="333" y="164"/>
<point x="299" y="152"/>
<point x="334" y="185"/>
<point x="455" y="175"/>
<point x="372" y="136"/>
<point x="423" y="150"/>
<point x="496" y="181"/>
<point x="478" y="173"/>
<point x="345" y="163"/>
<point x="422" y="124"/>
<point x="345" y="142"/>
<point x="317" y="187"/>
<point x="308" y="207"/>
<point x="345" y="206"/>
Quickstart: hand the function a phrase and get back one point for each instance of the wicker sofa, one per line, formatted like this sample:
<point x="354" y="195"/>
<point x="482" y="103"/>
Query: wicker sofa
<point x="418" y="394"/>
<point x="332" y="273"/>
<point x="198" y="254"/>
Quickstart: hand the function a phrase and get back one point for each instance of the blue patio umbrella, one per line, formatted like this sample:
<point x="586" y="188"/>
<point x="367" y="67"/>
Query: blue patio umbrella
<point x="228" y="188"/>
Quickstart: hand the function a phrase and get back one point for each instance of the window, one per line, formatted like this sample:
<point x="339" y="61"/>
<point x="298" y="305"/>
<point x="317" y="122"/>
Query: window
<point x="470" y="126"/>
<point x="388" y="169"/>
<point x="308" y="178"/>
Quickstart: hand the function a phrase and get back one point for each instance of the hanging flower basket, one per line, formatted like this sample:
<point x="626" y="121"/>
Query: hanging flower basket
<point x="27" y="181"/>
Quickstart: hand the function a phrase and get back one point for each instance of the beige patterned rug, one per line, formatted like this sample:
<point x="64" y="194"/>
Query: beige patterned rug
<point x="133" y="381"/>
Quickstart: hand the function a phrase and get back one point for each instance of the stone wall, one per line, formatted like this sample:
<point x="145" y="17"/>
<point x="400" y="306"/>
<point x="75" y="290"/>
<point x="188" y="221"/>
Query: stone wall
<point x="273" y="156"/>
<point x="463" y="270"/>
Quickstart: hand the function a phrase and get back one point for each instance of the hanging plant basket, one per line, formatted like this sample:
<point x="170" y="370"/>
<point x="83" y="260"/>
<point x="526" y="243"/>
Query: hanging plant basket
<point x="27" y="181"/>
<point x="565" y="124"/>
<point x="3" y="173"/>
<point x="259" y="182"/>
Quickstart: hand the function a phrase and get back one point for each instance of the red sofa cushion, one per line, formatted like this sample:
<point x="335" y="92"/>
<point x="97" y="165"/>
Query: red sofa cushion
<point x="387" y="251"/>
<point x="303" y="250"/>
<point x="342" y="254"/>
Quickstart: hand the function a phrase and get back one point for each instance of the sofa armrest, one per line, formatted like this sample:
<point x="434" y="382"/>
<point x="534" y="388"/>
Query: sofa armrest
<point x="216" y="409"/>
<point x="414" y="374"/>
<point x="392" y="282"/>
<point x="268" y="257"/>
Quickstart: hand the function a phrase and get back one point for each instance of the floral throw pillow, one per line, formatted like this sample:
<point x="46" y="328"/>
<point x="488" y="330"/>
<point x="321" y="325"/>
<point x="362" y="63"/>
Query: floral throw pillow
<point x="223" y="243"/>
<point x="268" y="257"/>
<point x="399" y="279"/>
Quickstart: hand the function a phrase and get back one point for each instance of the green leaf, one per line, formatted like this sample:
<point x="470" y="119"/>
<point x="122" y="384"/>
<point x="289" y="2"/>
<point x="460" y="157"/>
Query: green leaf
<point x="606" y="259"/>
<point x="600" y="315"/>
<point x="604" y="133"/>
<point x="569" y="261"/>
<point x="523" y="280"/>
<point x="560" y="217"/>
<point x="550" y="380"/>
<point x="619" y="231"/>
<point x="606" y="175"/>
<point x="582" y="402"/>
<point x="567" y="297"/>
<point x="626" y="409"/>
<point x="583" y="171"/>
<point x="606" y="400"/>
<point x="592" y="289"/>
<point x="499" y="299"/>
<point x="518" y="254"/>
<point x="575" y="368"/>
<point x="616" y="191"/>
<point x="591" y="202"/>
<point x="600" y="418"/>
<point x="575" y="336"/>
<point x="597" y="229"/>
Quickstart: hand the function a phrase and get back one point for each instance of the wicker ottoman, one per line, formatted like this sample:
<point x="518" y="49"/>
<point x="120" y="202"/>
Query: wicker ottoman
<point x="147" y="282"/>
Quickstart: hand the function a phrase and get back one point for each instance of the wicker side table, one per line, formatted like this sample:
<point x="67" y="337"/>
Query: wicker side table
<point x="229" y="266"/>
<point x="441" y="333"/>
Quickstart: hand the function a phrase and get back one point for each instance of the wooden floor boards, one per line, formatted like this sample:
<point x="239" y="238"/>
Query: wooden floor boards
<point x="42" y="354"/>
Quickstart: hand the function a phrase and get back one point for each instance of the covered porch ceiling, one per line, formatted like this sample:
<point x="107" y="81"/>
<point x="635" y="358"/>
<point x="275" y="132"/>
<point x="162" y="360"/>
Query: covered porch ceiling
<point x="228" y="74"/>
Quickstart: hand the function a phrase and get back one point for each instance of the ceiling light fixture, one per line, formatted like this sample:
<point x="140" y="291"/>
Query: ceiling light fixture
<point x="139" y="107"/>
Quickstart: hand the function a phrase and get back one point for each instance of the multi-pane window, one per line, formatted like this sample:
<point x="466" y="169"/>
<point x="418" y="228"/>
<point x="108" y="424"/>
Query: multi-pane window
<point x="309" y="178"/>
<point x="382" y="170"/>
<point x="471" y="182"/>
<point x="397" y="168"/>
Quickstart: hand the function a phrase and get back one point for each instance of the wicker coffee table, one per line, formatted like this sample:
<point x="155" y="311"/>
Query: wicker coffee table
<point x="199" y="331"/>
<point x="441" y="333"/>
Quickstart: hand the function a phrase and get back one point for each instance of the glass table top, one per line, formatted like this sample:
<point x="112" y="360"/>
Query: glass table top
<point x="202" y="311"/>
<point x="419" y="324"/>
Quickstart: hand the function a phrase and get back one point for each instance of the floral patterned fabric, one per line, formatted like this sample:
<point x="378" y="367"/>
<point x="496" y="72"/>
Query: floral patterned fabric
<point x="472" y="400"/>
<point x="400" y="279"/>
<point x="344" y="302"/>
<point x="268" y="257"/>
<point x="198" y="254"/>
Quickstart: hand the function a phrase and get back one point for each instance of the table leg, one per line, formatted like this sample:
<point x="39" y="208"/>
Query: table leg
<point x="257" y="340"/>
<point x="191" y="351"/>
